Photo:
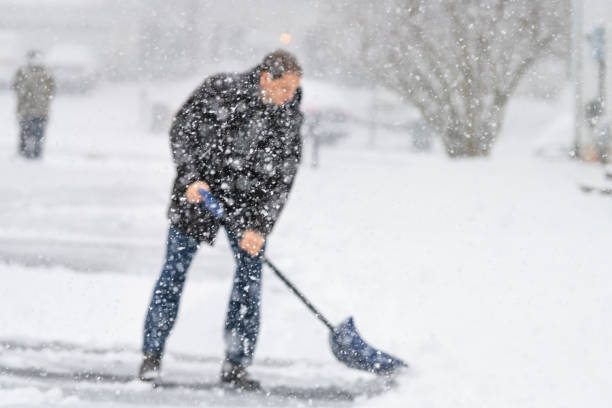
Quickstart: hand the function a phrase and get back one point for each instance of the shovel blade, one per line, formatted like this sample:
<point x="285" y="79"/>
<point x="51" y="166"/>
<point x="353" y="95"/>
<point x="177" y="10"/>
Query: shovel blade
<point x="350" y="349"/>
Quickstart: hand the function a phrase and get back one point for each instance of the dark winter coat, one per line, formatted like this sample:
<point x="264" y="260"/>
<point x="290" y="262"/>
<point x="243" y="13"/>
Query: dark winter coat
<point x="35" y="88"/>
<point x="247" y="151"/>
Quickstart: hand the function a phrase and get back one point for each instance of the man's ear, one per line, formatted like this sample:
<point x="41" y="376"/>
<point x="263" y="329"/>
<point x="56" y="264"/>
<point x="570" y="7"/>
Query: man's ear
<point x="265" y="76"/>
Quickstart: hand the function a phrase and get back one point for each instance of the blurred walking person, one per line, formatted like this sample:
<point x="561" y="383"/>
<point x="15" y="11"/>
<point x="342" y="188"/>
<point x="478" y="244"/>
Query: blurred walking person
<point x="35" y="87"/>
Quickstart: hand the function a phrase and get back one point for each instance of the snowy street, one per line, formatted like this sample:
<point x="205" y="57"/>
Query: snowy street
<point x="490" y="277"/>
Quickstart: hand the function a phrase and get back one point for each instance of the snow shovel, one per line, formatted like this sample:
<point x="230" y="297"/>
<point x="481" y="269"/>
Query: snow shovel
<point x="346" y="343"/>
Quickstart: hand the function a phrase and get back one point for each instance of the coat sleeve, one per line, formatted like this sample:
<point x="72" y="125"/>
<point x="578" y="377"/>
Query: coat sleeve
<point x="276" y="189"/>
<point x="183" y="145"/>
<point x="51" y="85"/>
<point x="17" y="82"/>
<point x="195" y="137"/>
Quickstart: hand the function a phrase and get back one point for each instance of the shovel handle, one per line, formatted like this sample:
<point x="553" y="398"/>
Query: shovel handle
<point x="297" y="293"/>
<point x="211" y="204"/>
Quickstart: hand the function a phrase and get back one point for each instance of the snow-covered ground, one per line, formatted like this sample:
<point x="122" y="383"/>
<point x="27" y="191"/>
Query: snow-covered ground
<point x="490" y="277"/>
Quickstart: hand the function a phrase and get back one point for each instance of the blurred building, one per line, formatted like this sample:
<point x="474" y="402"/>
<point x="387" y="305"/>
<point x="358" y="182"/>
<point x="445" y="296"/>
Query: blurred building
<point x="109" y="37"/>
<point x="152" y="38"/>
<point x="128" y="38"/>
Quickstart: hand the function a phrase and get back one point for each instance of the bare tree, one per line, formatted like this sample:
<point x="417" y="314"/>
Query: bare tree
<point x="458" y="61"/>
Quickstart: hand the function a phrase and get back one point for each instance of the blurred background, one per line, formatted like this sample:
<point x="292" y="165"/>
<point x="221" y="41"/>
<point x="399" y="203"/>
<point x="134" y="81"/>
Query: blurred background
<point x="454" y="194"/>
<point x="434" y="59"/>
<point x="437" y="69"/>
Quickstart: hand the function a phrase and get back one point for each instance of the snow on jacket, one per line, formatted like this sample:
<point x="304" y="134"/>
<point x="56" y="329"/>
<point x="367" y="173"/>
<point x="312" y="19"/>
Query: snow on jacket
<point x="246" y="150"/>
<point x="35" y="88"/>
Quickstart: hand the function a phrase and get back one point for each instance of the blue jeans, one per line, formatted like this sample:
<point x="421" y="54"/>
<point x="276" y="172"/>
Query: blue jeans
<point x="242" y="321"/>
<point x="31" y="137"/>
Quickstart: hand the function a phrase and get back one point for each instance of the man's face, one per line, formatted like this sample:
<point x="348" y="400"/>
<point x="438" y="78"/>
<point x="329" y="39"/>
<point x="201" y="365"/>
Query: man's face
<point x="280" y="90"/>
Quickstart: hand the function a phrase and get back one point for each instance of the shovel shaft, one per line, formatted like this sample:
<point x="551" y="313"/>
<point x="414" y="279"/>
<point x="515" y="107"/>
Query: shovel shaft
<point x="216" y="209"/>
<point x="303" y="298"/>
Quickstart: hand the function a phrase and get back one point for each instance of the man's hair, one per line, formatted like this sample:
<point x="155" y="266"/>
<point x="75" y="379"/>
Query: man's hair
<point x="279" y="63"/>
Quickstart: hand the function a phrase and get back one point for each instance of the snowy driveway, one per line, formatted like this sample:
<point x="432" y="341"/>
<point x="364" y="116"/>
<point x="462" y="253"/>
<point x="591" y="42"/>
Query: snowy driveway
<point x="491" y="278"/>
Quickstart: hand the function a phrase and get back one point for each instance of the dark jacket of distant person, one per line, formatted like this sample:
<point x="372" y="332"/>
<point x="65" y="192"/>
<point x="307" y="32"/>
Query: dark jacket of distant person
<point x="246" y="150"/>
<point x="35" y="87"/>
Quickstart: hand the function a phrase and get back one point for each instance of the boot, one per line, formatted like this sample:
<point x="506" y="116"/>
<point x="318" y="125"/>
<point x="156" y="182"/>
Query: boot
<point x="235" y="375"/>
<point x="150" y="367"/>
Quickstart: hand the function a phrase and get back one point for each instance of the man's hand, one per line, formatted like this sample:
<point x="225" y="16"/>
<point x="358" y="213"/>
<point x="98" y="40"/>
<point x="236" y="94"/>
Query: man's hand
<point x="251" y="242"/>
<point x="193" y="191"/>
